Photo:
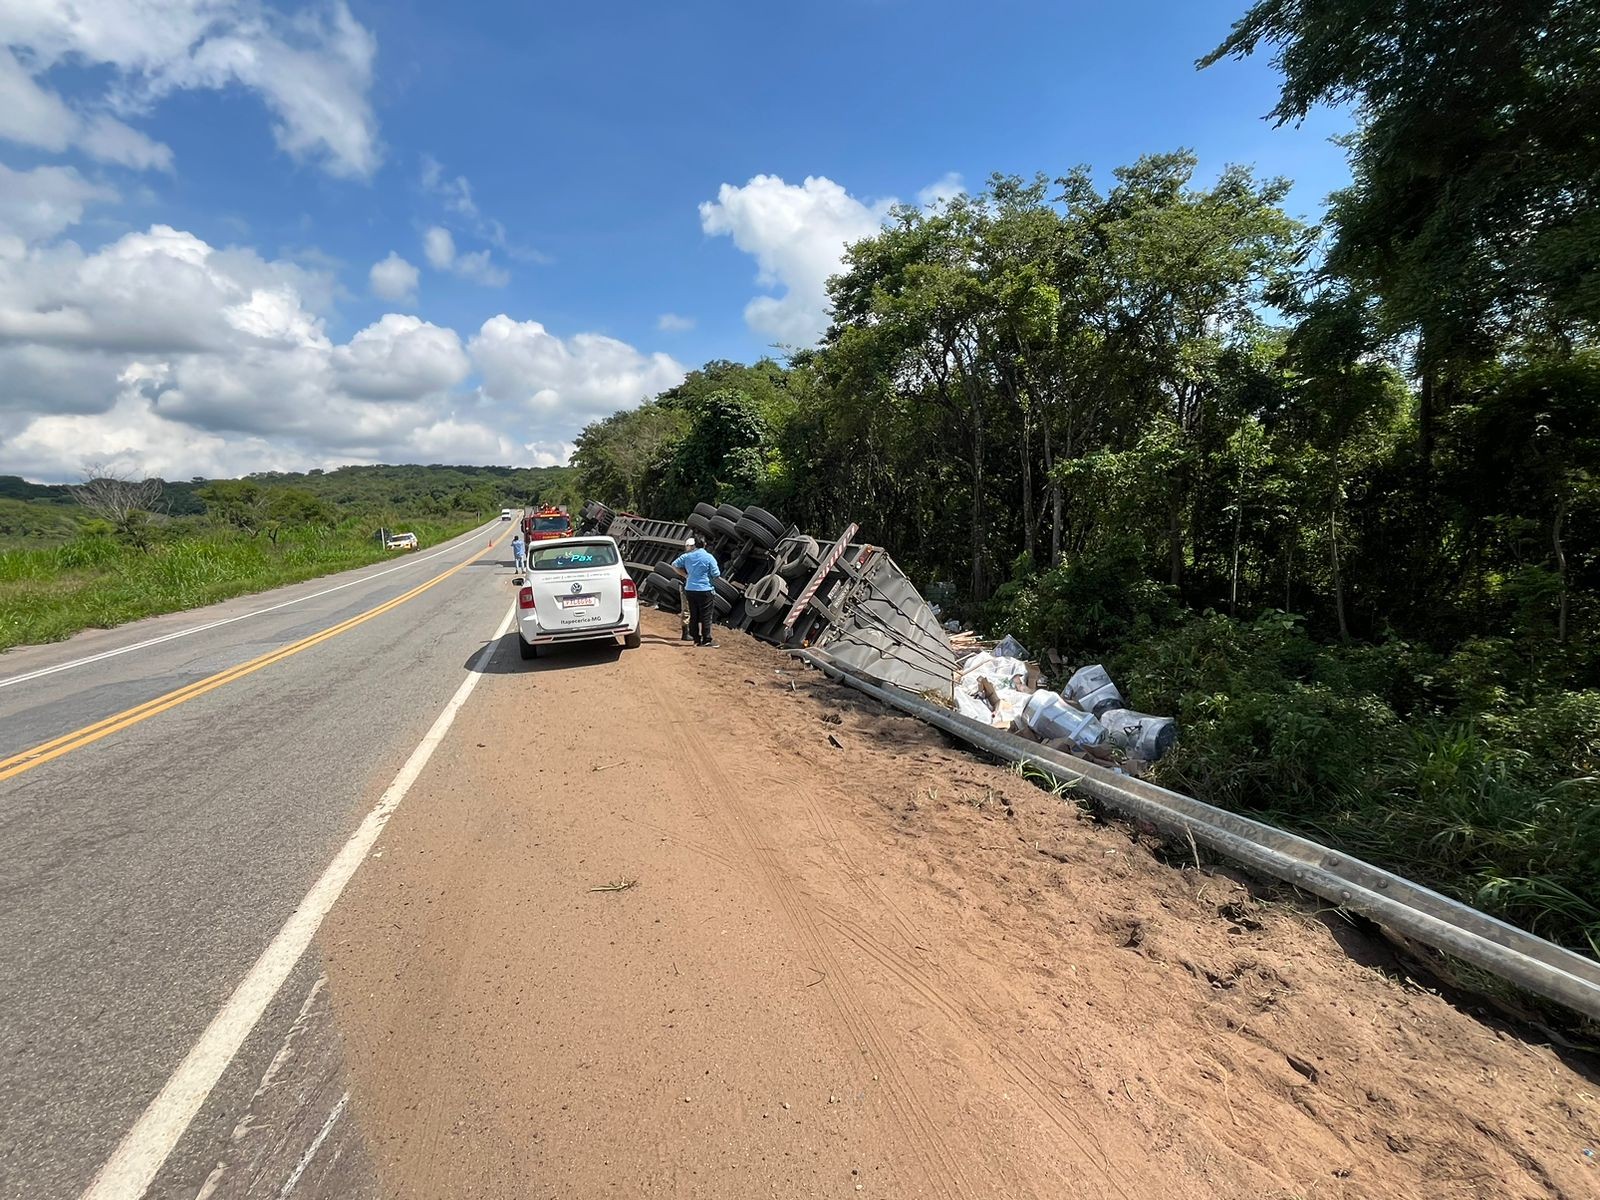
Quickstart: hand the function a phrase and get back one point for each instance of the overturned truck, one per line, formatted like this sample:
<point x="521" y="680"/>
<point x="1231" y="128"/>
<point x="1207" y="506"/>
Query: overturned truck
<point x="841" y="598"/>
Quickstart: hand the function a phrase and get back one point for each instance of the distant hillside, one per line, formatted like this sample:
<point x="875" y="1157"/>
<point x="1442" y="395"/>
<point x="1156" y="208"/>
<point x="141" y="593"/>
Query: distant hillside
<point x="357" y="487"/>
<point x="433" y="488"/>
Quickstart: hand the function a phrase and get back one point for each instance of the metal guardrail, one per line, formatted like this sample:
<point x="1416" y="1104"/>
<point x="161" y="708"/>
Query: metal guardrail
<point x="1391" y="900"/>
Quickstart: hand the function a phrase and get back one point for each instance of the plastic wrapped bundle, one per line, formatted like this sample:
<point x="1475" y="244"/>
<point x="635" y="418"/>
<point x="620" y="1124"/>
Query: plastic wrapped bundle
<point x="1092" y="688"/>
<point x="1140" y="734"/>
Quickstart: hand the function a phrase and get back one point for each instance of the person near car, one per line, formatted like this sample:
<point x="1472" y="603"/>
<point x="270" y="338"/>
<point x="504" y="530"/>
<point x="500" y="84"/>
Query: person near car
<point x="699" y="567"/>
<point x="519" y="551"/>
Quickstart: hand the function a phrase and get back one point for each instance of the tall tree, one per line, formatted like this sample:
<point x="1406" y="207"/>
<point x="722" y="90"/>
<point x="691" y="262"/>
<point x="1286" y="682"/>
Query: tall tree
<point x="1474" y="214"/>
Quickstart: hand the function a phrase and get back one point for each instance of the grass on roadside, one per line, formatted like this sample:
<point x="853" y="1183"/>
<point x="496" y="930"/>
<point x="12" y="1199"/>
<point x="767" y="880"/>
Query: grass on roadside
<point x="95" y="582"/>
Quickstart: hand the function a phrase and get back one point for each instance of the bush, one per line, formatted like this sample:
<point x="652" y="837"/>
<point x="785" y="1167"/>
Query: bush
<point x="1430" y="767"/>
<point x="1084" y="606"/>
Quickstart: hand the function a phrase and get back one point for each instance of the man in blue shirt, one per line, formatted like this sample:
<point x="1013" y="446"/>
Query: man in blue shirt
<point x="519" y="552"/>
<point x="700" y="567"/>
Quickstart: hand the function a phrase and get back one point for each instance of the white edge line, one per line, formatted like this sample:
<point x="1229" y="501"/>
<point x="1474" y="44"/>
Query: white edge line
<point x="168" y="637"/>
<point x="145" y="1147"/>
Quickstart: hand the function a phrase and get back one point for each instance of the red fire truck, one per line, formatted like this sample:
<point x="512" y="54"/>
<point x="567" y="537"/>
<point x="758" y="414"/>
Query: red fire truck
<point x="542" y="524"/>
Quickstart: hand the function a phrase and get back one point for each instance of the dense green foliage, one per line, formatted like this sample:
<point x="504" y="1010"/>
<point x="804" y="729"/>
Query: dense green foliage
<point x="64" y="568"/>
<point x="1329" y="496"/>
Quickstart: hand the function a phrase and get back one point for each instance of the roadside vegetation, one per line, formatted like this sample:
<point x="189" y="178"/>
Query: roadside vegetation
<point x="113" y="549"/>
<point x="1329" y="494"/>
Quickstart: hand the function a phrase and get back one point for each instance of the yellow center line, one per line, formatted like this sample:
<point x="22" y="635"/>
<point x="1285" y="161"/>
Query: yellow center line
<point x="68" y="742"/>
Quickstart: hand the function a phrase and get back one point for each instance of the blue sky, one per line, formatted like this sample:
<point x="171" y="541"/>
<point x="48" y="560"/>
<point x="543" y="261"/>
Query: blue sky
<point x="589" y="198"/>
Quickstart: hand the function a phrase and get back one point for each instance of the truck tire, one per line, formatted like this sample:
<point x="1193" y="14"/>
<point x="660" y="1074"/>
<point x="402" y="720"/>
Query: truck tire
<point x="720" y="605"/>
<point x="701" y="523"/>
<point x="771" y="522"/>
<point x="756" y="533"/>
<point x="766" y="597"/>
<point x="798" y="557"/>
<point x="726" y="590"/>
<point x="722" y="527"/>
<point x="705" y="510"/>
<point x="732" y="511"/>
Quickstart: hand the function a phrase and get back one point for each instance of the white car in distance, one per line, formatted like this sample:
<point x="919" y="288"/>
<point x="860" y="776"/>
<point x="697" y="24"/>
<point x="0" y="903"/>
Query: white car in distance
<point x="576" y="589"/>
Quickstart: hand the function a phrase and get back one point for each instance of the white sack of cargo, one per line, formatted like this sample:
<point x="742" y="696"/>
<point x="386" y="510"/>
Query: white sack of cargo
<point x="1003" y="700"/>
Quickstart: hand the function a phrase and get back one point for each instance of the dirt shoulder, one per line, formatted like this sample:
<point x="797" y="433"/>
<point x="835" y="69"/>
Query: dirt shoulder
<point x="843" y="957"/>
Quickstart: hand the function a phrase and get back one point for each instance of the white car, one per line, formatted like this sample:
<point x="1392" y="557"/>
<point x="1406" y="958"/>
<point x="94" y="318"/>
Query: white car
<point x="401" y="541"/>
<point x="576" y="589"/>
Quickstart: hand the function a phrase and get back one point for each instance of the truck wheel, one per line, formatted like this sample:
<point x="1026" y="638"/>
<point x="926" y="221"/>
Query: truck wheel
<point x="705" y="510"/>
<point x="723" y="526"/>
<point x="754" y="531"/>
<point x="798" y="556"/>
<point x="771" y="522"/>
<point x="699" y="522"/>
<point x="731" y="511"/>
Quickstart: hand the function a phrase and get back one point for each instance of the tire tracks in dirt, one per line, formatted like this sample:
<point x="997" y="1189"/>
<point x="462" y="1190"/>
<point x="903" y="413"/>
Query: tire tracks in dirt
<point x="964" y="1010"/>
<point x="919" y="1133"/>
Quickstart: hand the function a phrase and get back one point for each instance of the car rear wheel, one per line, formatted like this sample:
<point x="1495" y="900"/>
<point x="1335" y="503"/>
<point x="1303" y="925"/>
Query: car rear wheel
<point x="631" y="642"/>
<point x="527" y="648"/>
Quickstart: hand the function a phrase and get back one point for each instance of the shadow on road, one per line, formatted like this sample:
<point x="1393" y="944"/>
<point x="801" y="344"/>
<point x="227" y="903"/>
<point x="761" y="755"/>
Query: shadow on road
<point x="507" y="661"/>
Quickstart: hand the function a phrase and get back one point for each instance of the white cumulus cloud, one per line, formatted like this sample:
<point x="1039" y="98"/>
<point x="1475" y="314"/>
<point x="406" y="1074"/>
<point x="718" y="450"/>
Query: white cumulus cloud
<point x="439" y="248"/>
<point x="942" y="191"/>
<point x="40" y="203"/>
<point x="170" y="355"/>
<point x="574" y="379"/>
<point x="311" y="68"/>
<point x="393" y="278"/>
<point x="797" y="234"/>
<point x="673" y="323"/>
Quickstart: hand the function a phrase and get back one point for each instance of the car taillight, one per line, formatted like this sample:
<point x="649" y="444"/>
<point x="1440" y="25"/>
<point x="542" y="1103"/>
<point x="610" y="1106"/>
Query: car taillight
<point x="525" y="597"/>
<point x="630" y="590"/>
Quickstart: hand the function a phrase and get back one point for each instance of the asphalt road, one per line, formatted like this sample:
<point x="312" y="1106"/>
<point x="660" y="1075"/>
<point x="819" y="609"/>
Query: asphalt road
<point x="146" y="869"/>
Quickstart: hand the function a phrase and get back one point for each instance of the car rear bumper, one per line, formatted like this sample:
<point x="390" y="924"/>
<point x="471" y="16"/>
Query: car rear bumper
<point x="530" y="632"/>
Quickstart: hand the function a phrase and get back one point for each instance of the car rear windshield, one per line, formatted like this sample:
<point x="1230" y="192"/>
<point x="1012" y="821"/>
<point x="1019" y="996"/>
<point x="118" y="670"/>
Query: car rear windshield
<point x="549" y="524"/>
<point x="575" y="558"/>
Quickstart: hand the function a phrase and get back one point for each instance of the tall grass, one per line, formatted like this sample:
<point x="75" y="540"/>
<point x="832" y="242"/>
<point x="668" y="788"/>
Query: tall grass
<point x="1394" y="754"/>
<point x="51" y="592"/>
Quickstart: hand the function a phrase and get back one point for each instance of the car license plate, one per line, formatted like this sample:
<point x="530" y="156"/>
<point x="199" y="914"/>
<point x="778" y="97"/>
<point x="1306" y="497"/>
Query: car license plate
<point x="579" y="601"/>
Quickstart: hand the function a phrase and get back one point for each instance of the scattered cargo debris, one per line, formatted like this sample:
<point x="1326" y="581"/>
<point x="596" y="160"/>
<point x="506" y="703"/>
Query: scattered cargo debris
<point x="849" y="600"/>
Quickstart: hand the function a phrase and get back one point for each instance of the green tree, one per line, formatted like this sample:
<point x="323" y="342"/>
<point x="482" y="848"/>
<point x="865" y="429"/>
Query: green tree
<point x="1474" y="214"/>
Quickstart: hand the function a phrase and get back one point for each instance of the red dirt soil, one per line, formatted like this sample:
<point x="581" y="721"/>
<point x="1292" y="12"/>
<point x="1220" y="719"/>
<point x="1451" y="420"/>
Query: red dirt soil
<point x="683" y="922"/>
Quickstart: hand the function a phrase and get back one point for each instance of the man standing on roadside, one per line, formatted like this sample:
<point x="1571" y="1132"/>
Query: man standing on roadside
<point x="519" y="552"/>
<point x="699" y="567"/>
